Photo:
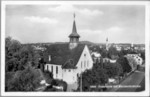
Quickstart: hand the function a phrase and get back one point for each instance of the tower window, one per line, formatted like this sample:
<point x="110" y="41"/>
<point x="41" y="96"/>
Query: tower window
<point x="47" y="67"/>
<point x="52" y="69"/>
<point x="56" y="69"/>
<point x="69" y="70"/>
<point x="84" y="55"/>
<point x="71" y="39"/>
<point x="74" y="39"/>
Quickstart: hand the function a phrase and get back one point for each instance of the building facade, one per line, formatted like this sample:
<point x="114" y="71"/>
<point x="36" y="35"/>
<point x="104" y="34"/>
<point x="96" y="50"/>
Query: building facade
<point x="137" y="58"/>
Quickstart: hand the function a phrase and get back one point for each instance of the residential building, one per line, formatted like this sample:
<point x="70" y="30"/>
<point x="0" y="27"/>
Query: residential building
<point x="96" y="56"/>
<point x="109" y="60"/>
<point x="137" y="58"/>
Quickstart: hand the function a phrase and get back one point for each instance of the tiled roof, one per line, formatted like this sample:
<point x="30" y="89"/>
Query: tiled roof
<point x="62" y="55"/>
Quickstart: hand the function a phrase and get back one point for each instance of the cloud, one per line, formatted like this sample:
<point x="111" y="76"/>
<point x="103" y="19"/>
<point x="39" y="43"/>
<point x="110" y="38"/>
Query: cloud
<point x="92" y="35"/>
<point x="117" y="34"/>
<point x="114" y="29"/>
<point x="62" y="8"/>
<point x="71" y="9"/>
<point x="90" y="31"/>
<point x="89" y="12"/>
<point x="94" y="23"/>
<point x="37" y="19"/>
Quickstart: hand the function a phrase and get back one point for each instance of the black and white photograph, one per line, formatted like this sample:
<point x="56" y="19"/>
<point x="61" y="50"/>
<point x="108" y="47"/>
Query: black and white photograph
<point x="75" y="48"/>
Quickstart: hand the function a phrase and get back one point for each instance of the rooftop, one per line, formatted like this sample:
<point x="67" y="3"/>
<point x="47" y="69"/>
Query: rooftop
<point x="62" y="55"/>
<point x="74" y="31"/>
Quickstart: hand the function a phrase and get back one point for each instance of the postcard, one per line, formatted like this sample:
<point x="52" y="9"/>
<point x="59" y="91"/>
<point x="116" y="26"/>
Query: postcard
<point x="75" y="48"/>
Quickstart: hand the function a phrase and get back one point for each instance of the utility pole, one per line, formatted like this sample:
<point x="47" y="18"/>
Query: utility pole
<point x="81" y="81"/>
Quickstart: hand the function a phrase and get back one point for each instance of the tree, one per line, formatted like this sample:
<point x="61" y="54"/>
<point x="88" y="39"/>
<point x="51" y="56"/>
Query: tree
<point x="96" y="76"/>
<point x="113" y="69"/>
<point x="12" y="48"/>
<point x="112" y="52"/>
<point x="143" y="55"/>
<point x="104" y="53"/>
<point x="48" y="76"/>
<point x="28" y="53"/>
<point x="90" y="78"/>
<point x="18" y="55"/>
<point x="124" y="64"/>
<point x="26" y="80"/>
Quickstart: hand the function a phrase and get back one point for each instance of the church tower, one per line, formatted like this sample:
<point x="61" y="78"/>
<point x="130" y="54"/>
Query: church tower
<point x="74" y="36"/>
<point x="107" y="44"/>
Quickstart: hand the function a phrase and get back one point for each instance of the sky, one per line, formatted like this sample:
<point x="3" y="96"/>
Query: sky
<point x="53" y="23"/>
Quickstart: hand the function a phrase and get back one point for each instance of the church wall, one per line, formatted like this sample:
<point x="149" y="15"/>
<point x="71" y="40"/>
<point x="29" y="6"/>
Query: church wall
<point x="69" y="76"/>
<point x="85" y="61"/>
<point x="52" y="68"/>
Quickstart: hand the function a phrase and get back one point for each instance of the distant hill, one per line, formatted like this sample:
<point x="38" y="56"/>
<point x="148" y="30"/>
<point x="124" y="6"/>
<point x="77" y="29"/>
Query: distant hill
<point x="86" y="42"/>
<point x="83" y="42"/>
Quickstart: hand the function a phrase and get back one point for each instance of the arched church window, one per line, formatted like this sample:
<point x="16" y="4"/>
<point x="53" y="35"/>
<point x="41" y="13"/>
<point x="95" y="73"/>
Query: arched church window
<point x="69" y="70"/>
<point x="56" y="69"/>
<point x="84" y="64"/>
<point x="47" y="67"/>
<point x="87" y="63"/>
<point x="52" y="69"/>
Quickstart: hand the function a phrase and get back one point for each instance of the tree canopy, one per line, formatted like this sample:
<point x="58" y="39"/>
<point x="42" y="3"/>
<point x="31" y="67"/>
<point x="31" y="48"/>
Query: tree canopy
<point x="19" y="75"/>
<point x="113" y="69"/>
<point x="112" y="52"/>
<point x="18" y="55"/>
<point x="96" y="76"/>
<point x="125" y="64"/>
<point x="25" y="80"/>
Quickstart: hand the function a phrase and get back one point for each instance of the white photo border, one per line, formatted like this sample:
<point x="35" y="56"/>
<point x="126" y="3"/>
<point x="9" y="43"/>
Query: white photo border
<point x="147" y="51"/>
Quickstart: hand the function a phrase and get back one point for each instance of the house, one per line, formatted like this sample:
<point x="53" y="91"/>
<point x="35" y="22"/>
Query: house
<point x="134" y="61"/>
<point x="109" y="60"/>
<point x="67" y="61"/>
<point x="96" y="56"/>
<point x="137" y="58"/>
<point x="118" y="47"/>
<point x="39" y="48"/>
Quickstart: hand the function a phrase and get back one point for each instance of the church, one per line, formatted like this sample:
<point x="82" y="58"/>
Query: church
<point x="67" y="61"/>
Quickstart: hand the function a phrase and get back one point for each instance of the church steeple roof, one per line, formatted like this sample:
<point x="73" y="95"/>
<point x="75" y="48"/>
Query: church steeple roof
<point x="74" y="30"/>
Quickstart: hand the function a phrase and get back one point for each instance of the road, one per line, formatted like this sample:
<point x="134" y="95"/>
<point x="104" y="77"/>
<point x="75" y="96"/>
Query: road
<point x="131" y="83"/>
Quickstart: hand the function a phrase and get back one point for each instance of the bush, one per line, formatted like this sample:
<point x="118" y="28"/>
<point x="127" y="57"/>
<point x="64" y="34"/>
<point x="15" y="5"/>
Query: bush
<point x="48" y="76"/>
<point x="26" y="80"/>
<point x="60" y="83"/>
